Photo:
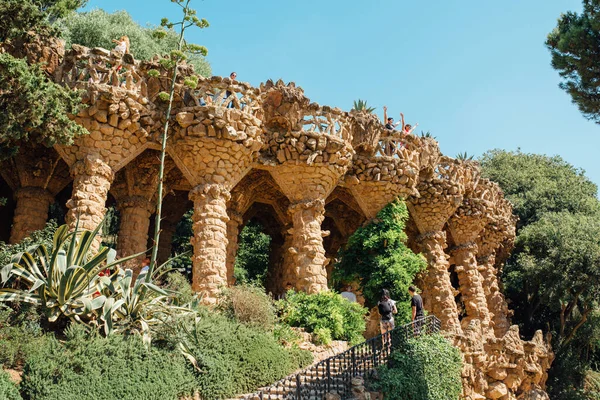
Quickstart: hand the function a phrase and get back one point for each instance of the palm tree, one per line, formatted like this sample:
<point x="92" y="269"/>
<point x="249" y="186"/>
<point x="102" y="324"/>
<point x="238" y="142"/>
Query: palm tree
<point x="464" y="157"/>
<point x="361" y="105"/>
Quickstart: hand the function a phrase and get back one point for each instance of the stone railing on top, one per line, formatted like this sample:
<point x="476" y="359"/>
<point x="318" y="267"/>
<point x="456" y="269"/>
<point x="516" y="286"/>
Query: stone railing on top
<point x="100" y="66"/>
<point x="326" y="120"/>
<point x="217" y="91"/>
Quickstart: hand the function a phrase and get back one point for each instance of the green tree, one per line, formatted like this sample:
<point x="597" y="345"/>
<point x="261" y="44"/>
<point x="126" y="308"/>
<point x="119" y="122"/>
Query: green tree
<point x="252" y="261"/>
<point x="97" y="28"/>
<point x="33" y="107"/>
<point x="575" y="50"/>
<point x="552" y="278"/>
<point x="536" y="184"/>
<point x="377" y="257"/>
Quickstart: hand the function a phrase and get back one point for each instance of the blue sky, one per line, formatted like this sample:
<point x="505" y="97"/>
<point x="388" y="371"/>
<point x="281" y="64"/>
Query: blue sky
<point x="475" y="73"/>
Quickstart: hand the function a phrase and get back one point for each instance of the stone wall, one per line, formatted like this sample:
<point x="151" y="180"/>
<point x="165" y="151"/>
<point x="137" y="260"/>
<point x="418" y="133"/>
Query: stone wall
<point x="232" y="146"/>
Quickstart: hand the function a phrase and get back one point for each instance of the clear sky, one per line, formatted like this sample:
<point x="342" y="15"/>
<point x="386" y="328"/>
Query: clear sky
<point x="474" y="73"/>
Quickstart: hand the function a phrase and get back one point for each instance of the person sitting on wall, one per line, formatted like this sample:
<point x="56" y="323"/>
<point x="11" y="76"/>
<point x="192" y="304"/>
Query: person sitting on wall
<point x="122" y="44"/>
<point x="232" y="76"/>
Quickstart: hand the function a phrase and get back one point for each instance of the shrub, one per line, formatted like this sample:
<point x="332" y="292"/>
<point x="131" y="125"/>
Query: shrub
<point x="423" y="368"/>
<point x="178" y="283"/>
<point x="20" y="334"/>
<point x="252" y="260"/>
<point x="249" y="305"/>
<point x="327" y="314"/>
<point x="8" y="251"/>
<point x="105" y="369"/>
<point x="8" y="390"/>
<point x="377" y="257"/>
<point x="234" y="358"/>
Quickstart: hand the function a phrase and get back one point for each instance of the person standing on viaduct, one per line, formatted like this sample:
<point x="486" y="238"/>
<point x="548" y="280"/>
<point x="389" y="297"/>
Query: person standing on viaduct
<point x="416" y="303"/>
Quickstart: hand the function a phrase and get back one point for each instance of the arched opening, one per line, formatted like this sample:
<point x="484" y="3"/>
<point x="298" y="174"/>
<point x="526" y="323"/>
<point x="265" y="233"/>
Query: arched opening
<point x="260" y="249"/>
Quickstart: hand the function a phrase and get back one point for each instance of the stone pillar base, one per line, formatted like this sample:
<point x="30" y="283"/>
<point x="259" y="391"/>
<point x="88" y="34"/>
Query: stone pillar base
<point x="31" y="212"/>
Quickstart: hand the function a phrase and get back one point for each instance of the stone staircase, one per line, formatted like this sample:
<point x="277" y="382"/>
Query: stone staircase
<point x="334" y="375"/>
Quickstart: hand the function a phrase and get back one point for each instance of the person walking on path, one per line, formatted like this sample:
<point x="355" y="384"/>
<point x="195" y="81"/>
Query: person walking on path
<point x="416" y="303"/>
<point x="387" y="309"/>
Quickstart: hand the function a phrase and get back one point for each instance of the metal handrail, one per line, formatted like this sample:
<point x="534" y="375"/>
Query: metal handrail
<point x="334" y="374"/>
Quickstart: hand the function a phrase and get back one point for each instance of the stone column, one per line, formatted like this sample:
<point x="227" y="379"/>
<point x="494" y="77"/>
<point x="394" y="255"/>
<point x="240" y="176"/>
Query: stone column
<point x="168" y="229"/>
<point x="31" y="212"/>
<point x="233" y="232"/>
<point x="309" y="268"/>
<point x="495" y="299"/>
<point x="210" y="239"/>
<point x="471" y="285"/>
<point x="92" y="178"/>
<point x="438" y="296"/>
<point x="133" y="230"/>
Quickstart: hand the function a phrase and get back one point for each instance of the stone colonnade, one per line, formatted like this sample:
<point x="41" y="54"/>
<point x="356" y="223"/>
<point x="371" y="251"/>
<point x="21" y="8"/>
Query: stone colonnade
<point x="308" y="151"/>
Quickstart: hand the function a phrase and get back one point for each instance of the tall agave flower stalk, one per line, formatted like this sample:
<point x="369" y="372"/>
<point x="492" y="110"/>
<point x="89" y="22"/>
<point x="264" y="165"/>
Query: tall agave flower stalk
<point x="188" y="20"/>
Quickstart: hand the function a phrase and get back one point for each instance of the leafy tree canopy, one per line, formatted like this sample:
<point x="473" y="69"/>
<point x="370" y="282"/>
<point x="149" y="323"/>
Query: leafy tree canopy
<point x="97" y="28"/>
<point x="552" y="278"/>
<point x="252" y="260"/>
<point x="536" y="184"/>
<point x="377" y="257"/>
<point x="33" y="107"/>
<point x="19" y="16"/>
<point x="575" y="47"/>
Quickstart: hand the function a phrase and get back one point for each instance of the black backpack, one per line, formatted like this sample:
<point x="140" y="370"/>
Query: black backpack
<point x="385" y="309"/>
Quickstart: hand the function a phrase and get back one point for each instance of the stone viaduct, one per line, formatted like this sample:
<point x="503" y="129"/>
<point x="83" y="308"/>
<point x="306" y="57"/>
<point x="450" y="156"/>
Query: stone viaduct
<point x="311" y="174"/>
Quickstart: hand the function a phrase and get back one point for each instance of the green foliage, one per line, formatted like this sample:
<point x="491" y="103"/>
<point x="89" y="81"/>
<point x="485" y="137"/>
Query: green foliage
<point x="552" y="277"/>
<point x="26" y="15"/>
<point x="249" y="305"/>
<point x="8" y="251"/>
<point x="423" y="368"/>
<point x="233" y="358"/>
<point x="592" y="385"/>
<point x="181" y="244"/>
<point x="62" y="281"/>
<point x="464" y="157"/>
<point x="20" y="334"/>
<point x="327" y="315"/>
<point x="575" y="53"/>
<point x="180" y="287"/>
<point x="361" y="105"/>
<point x="252" y="260"/>
<point x="377" y="257"/>
<point x="105" y="369"/>
<point x="33" y="107"/>
<point x="556" y="273"/>
<point x="536" y="184"/>
<point x="97" y="28"/>
<point x="8" y="389"/>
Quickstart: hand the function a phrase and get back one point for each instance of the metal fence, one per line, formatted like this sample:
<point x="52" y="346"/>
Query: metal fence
<point x="334" y="375"/>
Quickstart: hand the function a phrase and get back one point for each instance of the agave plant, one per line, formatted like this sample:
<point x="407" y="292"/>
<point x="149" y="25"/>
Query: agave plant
<point x="136" y="306"/>
<point x="361" y="105"/>
<point x="464" y="157"/>
<point x="65" y="280"/>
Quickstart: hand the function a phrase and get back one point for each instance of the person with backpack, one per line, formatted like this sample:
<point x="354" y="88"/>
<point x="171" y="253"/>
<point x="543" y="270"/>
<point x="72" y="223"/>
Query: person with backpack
<point x="387" y="309"/>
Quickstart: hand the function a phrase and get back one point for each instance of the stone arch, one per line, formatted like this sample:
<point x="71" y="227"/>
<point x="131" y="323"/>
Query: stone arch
<point x="257" y="196"/>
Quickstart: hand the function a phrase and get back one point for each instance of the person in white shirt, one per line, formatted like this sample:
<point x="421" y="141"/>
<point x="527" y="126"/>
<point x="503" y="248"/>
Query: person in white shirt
<point x="348" y="295"/>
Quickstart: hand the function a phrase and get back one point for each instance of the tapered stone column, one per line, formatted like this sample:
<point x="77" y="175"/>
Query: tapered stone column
<point x="495" y="299"/>
<point x="31" y="212"/>
<point x="309" y="267"/>
<point x="233" y="232"/>
<point x="133" y="230"/>
<point x="92" y="178"/>
<point x="465" y="226"/>
<point x="210" y="239"/>
<point x="438" y="294"/>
